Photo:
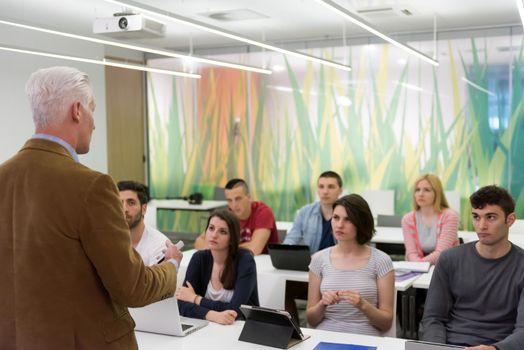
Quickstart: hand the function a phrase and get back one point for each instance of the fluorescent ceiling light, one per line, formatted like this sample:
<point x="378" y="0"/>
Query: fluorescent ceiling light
<point x="104" y="62"/>
<point x="364" y="25"/>
<point x="139" y="48"/>
<point x="409" y="86"/>
<point x="478" y="87"/>
<point x="520" y="5"/>
<point x="169" y="16"/>
<point x="344" y="101"/>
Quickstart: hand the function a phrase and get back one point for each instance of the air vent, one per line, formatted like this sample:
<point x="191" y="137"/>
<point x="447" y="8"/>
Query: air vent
<point x="383" y="11"/>
<point x="508" y="48"/>
<point x="233" y="15"/>
<point x="375" y="10"/>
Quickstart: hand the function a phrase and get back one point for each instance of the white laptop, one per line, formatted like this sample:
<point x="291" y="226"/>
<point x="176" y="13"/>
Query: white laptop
<point x="163" y="317"/>
<point x="423" y="345"/>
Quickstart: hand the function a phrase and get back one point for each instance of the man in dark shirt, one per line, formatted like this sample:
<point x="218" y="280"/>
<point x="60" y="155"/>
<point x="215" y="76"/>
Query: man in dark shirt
<point x="476" y="293"/>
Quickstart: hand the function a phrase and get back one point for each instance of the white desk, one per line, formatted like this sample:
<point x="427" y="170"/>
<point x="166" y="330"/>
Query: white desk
<point x="423" y="281"/>
<point x="178" y="204"/>
<point x="272" y="282"/>
<point x="284" y="225"/>
<point x="215" y="336"/>
<point x="393" y="235"/>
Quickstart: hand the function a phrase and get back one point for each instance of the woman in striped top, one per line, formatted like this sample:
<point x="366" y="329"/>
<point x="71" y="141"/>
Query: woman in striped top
<point x="351" y="285"/>
<point x="432" y="226"/>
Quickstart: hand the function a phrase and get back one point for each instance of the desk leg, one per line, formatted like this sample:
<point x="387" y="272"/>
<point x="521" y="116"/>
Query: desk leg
<point x="404" y="313"/>
<point x="413" y="315"/>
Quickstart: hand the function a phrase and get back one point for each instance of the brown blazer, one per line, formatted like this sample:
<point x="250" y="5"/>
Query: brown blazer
<point x="67" y="267"/>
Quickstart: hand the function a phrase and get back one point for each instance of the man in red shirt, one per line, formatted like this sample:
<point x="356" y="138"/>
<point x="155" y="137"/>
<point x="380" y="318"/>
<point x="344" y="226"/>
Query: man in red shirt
<point x="257" y="222"/>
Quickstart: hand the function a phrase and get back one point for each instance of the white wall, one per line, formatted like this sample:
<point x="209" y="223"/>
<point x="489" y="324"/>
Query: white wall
<point x="16" y="124"/>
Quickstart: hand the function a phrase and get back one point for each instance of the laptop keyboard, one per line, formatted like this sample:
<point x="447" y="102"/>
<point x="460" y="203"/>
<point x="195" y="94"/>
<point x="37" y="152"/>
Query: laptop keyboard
<point x="186" y="326"/>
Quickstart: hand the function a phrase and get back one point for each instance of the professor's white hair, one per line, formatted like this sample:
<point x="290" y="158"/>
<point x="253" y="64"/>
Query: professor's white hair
<point x="52" y="91"/>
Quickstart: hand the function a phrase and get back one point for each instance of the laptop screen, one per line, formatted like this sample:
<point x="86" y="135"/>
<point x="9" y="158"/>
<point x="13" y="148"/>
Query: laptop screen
<point x="422" y="345"/>
<point x="290" y="257"/>
<point x="163" y="317"/>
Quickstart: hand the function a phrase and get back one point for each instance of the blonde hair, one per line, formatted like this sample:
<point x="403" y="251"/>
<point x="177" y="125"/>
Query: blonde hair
<point x="440" y="203"/>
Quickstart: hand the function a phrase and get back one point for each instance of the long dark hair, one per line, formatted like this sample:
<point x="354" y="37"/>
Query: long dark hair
<point x="233" y="225"/>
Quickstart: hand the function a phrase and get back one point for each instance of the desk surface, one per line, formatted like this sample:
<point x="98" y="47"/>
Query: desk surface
<point x="215" y="336"/>
<point x="423" y="281"/>
<point x="180" y="204"/>
<point x="393" y="235"/>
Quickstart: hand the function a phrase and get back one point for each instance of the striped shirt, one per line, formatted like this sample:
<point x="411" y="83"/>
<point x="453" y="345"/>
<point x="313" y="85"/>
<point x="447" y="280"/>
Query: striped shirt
<point x="344" y="317"/>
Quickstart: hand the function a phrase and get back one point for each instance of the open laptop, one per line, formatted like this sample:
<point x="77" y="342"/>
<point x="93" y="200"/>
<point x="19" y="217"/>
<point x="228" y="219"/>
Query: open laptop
<point x="163" y="317"/>
<point x="424" y="345"/>
<point x="289" y="257"/>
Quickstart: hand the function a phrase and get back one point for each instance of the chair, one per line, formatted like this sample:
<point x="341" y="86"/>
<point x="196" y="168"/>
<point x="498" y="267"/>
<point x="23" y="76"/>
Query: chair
<point x="281" y="235"/>
<point x="453" y="198"/>
<point x="389" y="220"/>
<point x="218" y="194"/>
<point x="380" y="201"/>
<point x="392" y="331"/>
<point x="396" y="251"/>
<point x="517" y="228"/>
<point x="150" y="216"/>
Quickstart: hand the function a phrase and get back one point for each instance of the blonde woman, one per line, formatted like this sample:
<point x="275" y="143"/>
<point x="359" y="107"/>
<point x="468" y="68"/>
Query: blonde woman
<point x="432" y="226"/>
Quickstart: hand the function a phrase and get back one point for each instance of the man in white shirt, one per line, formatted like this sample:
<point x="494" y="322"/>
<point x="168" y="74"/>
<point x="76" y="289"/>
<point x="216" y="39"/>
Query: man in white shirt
<point x="147" y="241"/>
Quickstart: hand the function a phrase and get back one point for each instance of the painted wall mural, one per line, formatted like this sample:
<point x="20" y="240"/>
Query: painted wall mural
<point x="382" y="125"/>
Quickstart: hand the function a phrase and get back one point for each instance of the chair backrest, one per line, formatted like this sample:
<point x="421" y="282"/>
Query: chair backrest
<point x="281" y="235"/>
<point x="389" y="220"/>
<point x="453" y="198"/>
<point x="219" y="194"/>
<point x="517" y="228"/>
<point x="150" y="217"/>
<point x="392" y="331"/>
<point x="380" y="201"/>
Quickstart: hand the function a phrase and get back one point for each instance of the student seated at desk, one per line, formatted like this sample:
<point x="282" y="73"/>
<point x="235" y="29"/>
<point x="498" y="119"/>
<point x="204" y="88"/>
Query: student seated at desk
<point x="221" y="278"/>
<point x="257" y="222"/>
<point x="147" y="241"/>
<point x="432" y="226"/>
<point x="351" y="285"/>
<point x="312" y="227"/>
<point x="476" y="295"/>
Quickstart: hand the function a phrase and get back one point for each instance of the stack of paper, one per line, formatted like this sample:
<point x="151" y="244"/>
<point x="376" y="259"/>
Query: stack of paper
<point x="411" y="266"/>
<point x="408" y="269"/>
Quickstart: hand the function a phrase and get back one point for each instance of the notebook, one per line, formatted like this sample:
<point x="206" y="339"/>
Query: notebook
<point x="339" y="346"/>
<point x="423" y="345"/>
<point x="163" y="317"/>
<point x="289" y="257"/>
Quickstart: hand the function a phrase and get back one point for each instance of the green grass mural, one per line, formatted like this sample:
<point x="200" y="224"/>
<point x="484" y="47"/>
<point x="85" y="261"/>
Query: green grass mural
<point x="237" y="124"/>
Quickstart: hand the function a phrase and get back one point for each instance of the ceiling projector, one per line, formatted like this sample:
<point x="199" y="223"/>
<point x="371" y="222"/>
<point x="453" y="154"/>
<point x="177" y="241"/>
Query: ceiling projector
<point x="131" y="26"/>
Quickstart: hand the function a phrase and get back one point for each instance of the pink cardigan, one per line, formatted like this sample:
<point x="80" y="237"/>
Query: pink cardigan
<point x="447" y="227"/>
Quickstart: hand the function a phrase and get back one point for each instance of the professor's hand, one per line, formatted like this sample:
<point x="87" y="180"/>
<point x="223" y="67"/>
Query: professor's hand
<point x="172" y="252"/>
